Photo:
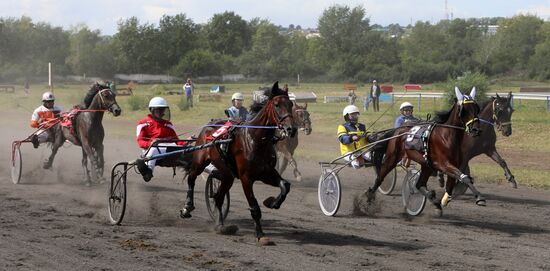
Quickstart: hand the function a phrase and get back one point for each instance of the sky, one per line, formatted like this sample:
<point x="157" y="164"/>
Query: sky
<point x="104" y="14"/>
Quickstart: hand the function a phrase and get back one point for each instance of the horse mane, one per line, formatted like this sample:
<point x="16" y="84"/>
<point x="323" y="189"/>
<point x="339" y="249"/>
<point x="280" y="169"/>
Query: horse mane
<point x="443" y="116"/>
<point x="485" y="103"/>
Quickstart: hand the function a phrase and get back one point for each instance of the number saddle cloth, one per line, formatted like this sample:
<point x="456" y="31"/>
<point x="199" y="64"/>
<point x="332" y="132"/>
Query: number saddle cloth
<point x="418" y="138"/>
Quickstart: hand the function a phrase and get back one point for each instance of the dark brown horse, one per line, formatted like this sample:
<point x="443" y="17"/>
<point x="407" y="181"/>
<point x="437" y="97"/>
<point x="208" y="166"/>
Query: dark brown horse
<point x="88" y="133"/>
<point x="443" y="152"/>
<point x="250" y="157"/>
<point x="496" y="113"/>
<point x="286" y="147"/>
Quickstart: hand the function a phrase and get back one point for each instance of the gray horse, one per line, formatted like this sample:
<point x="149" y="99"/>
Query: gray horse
<point x="87" y="131"/>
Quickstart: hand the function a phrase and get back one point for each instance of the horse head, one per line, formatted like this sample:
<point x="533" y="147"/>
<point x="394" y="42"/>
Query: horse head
<point x="301" y="118"/>
<point x="468" y="111"/>
<point x="502" y="113"/>
<point x="105" y="99"/>
<point x="279" y="110"/>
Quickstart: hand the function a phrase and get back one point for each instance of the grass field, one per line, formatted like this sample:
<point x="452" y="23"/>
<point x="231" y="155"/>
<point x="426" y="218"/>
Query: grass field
<point x="531" y="123"/>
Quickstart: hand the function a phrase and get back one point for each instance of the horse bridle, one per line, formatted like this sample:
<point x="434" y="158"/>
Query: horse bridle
<point x="275" y="115"/>
<point x="305" y="118"/>
<point x="100" y="93"/>
<point x="470" y="122"/>
<point x="495" y="117"/>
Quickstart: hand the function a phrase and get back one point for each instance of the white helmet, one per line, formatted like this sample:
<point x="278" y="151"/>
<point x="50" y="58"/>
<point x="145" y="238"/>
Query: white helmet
<point x="406" y="104"/>
<point x="48" y="96"/>
<point x="237" y="96"/>
<point x="158" y="102"/>
<point x="350" y="109"/>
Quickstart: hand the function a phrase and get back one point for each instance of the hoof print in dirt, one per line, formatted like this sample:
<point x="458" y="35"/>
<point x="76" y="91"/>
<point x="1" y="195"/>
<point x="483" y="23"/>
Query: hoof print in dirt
<point x="265" y="241"/>
<point x="227" y="230"/>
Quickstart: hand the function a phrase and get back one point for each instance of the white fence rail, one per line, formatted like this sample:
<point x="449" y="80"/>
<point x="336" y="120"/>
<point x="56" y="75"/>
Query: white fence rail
<point x="437" y="95"/>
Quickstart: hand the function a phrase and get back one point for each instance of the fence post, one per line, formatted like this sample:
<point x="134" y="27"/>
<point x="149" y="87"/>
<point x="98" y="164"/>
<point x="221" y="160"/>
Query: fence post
<point x="547" y="103"/>
<point x="419" y="100"/>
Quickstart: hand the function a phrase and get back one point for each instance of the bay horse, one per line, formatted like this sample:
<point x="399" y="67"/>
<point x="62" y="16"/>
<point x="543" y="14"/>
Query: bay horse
<point x="495" y="113"/>
<point x="443" y="151"/>
<point x="87" y="132"/>
<point x="286" y="147"/>
<point x="250" y="156"/>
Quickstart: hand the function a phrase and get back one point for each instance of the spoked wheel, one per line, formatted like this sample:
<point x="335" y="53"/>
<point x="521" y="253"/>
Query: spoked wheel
<point x="329" y="192"/>
<point x="16" y="164"/>
<point x="117" y="193"/>
<point x="459" y="189"/>
<point x="212" y="185"/>
<point x="413" y="200"/>
<point x="388" y="184"/>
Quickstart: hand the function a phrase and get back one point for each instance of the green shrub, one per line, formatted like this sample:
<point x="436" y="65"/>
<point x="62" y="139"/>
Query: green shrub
<point x="182" y="104"/>
<point x="137" y="102"/>
<point x="465" y="84"/>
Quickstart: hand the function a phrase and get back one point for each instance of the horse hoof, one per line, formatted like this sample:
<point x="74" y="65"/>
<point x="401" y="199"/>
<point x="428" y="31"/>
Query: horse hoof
<point x="185" y="213"/>
<point x="88" y="184"/>
<point x="227" y="230"/>
<point x="481" y="202"/>
<point x="46" y="166"/>
<point x="270" y="202"/>
<point x="438" y="212"/>
<point x="299" y="178"/>
<point x="265" y="241"/>
<point x="445" y="200"/>
<point x="513" y="184"/>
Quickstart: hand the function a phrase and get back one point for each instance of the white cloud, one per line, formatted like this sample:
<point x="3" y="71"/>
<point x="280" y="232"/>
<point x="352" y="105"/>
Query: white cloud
<point x="543" y="11"/>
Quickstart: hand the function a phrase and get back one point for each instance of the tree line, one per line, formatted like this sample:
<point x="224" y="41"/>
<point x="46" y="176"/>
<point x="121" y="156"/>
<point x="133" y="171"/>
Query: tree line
<point x="349" y="48"/>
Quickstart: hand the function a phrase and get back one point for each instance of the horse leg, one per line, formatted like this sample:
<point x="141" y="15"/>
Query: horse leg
<point x="498" y="159"/>
<point x="255" y="211"/>
<point x="454" y="172"/>
<point x="273" y="178"/>
<point x="85" y="166"/>
<point x="282" y="162"/>
<point x="381" y="172"/>
<point x="191" y="178"/>
<point x="296" y="172"/>
<point x="189" y="201"/>
<point x="219" y="197"/>
<point x="449" y="186"/>
<point x="57" y="143"/>
<point x="100" y="161"/>
<point x="425" y="174"/>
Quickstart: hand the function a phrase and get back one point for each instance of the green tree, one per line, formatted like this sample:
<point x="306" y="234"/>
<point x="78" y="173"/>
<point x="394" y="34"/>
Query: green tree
<point x="227" y="33"/>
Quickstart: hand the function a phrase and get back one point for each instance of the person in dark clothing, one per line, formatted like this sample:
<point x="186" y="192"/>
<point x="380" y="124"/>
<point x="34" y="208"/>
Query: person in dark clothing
<point x="375" y="94"/>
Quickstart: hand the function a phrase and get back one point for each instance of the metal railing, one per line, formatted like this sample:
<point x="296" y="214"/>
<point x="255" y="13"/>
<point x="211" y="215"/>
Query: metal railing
<point x="438" y="95"/>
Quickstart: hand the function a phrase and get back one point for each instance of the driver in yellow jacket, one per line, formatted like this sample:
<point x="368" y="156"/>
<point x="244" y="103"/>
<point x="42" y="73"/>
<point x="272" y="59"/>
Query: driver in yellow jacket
<point x="353" y="136"/>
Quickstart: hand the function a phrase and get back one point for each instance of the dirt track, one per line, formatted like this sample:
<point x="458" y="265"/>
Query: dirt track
<point x="51" y="221"/>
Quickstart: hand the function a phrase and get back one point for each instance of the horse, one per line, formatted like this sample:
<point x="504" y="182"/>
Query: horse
<point x="87" y="132"/>
<point x="285" y="148"/>
<point x="495" y="113"/>
<point x="250" y="156"/>
<point x="443" y="151"/>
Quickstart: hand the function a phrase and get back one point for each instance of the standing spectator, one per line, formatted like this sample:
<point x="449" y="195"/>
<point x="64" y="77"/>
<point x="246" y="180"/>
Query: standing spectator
<point x="26" y="87"/>
<point x="189" y="89"/>
<point x="352" y="97"/>
<point x="375" y="94"/>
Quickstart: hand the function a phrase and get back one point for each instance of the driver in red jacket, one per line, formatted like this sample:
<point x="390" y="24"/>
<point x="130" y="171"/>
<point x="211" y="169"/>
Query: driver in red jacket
<point x="154" y="127"/>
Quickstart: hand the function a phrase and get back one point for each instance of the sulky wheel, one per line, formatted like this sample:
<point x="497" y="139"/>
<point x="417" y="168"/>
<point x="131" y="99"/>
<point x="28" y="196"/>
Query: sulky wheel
<point x="413" y="200"/>
<point x="117" y="193"/>
<point x="329" y="192"/>
<point x="388" y="184"/>
<point x="212" y="185"/>
<point x="16" y="164"/>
